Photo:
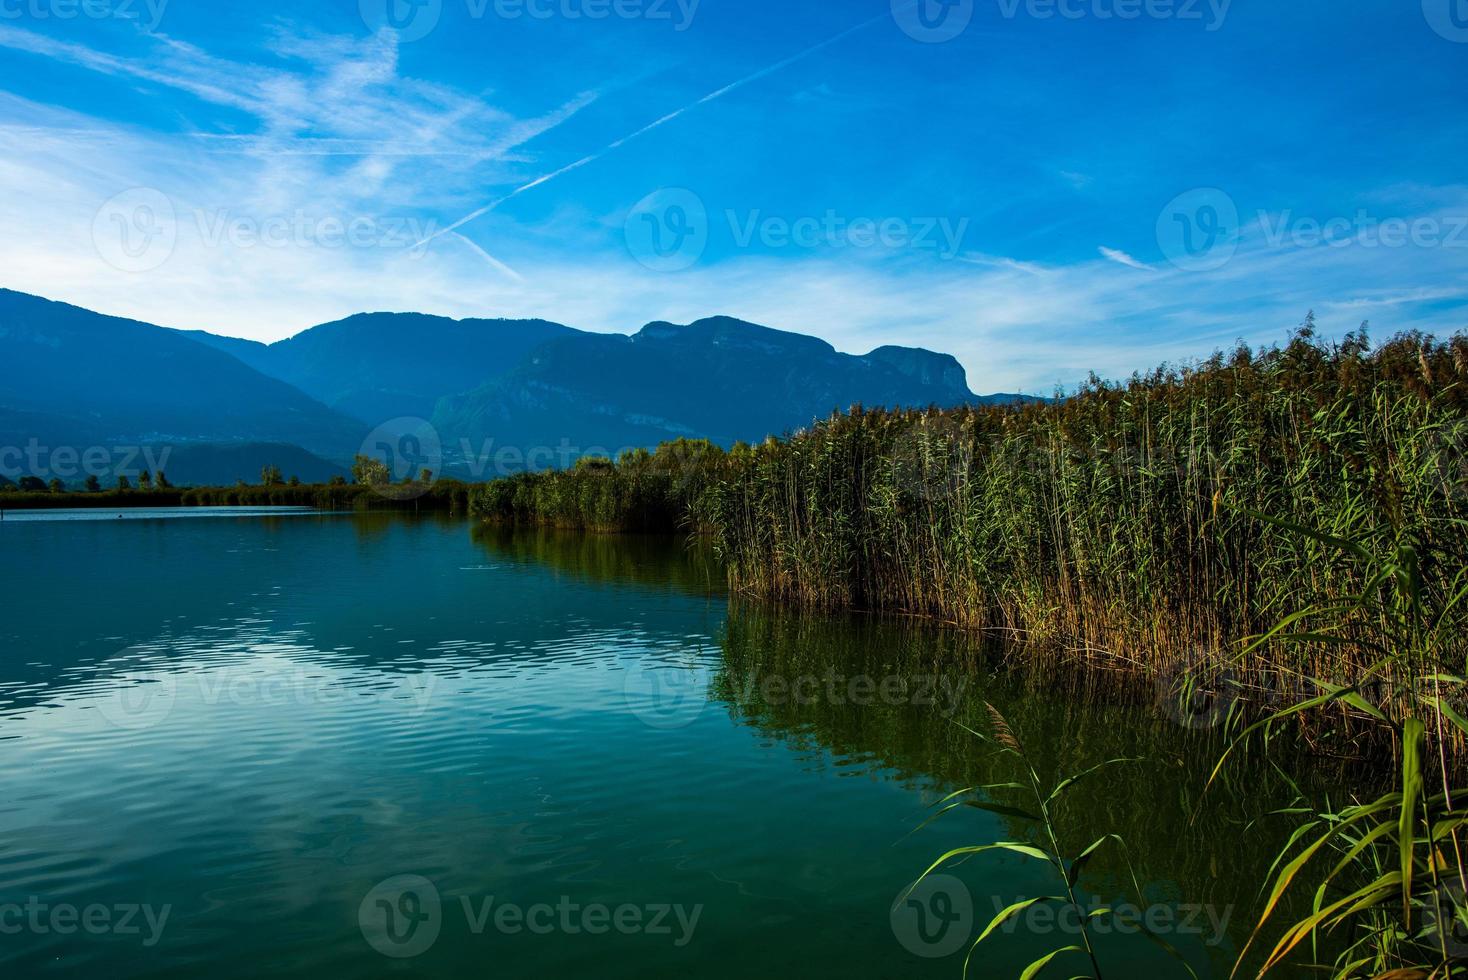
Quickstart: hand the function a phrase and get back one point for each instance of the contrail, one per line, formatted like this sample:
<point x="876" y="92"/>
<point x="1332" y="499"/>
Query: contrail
<point x="716" y="94"/>
<point x="494" y="262"/>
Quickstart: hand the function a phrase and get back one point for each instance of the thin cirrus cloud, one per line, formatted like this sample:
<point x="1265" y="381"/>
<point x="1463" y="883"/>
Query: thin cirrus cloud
<point x="1121" y="258"/>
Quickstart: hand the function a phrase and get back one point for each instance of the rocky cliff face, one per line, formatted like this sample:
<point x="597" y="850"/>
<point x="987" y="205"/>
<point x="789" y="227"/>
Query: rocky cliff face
<point x="940" y="371"/>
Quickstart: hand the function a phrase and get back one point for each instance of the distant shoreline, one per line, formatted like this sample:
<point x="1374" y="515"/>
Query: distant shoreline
<point x="444" y="495"/>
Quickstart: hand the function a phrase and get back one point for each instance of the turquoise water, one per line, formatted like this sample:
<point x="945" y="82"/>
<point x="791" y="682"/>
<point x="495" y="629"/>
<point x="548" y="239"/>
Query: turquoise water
<point x="363" y="745"/>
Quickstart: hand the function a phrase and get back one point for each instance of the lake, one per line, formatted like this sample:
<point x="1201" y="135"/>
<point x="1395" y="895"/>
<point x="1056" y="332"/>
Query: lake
<point x="356" y="745"/>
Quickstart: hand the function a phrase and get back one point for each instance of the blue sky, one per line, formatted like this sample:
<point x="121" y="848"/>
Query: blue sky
<point x="1042" y="187"/>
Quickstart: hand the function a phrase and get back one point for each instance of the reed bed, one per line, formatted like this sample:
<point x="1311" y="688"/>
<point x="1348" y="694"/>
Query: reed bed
<point x="1151" y="525"/>
<point x="641" y="491"/>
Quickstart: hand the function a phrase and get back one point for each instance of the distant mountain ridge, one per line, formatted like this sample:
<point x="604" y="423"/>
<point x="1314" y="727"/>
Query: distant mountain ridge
<point x="107" y="378"/>
<point x="718" y="378"/>
<point x="71" y="376"/>
<point x="377" y="366"/>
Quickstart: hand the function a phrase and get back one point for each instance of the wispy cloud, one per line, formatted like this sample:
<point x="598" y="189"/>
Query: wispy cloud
<point x="341" y="97"/>
<point x="1121" y="258"/>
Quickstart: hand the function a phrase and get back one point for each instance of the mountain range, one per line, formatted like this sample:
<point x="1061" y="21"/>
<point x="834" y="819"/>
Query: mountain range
<point x="224" y="407"/>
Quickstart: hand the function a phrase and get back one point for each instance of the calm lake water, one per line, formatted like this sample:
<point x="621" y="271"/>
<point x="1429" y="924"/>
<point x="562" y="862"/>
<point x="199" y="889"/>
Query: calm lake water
<point x="363" y="745"/>
<point x="149" y="513"/>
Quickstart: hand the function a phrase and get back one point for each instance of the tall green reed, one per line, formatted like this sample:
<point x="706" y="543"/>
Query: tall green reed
<point x="1385" y="871"/>
<point x="1120" y="526"/>
<point x="1038" y="809"/>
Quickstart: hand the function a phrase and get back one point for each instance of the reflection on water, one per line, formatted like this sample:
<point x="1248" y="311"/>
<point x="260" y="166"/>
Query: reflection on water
<point x="348" y="745"/>
<point x="795" y="677"/>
